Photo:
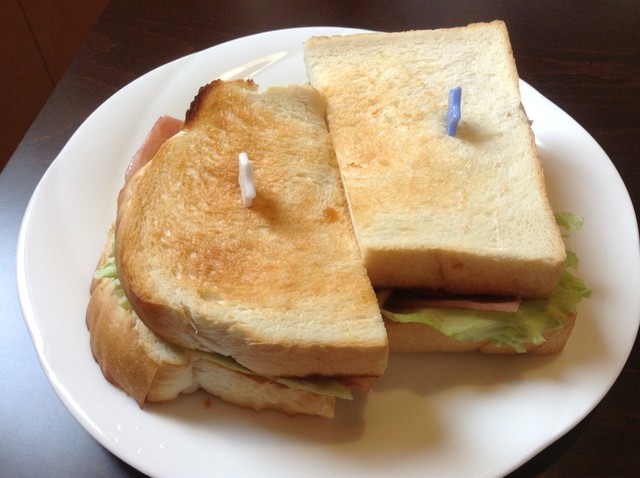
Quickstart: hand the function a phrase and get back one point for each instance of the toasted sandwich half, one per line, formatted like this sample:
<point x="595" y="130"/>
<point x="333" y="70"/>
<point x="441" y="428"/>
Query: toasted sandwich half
<point x="268" y="305"/>
<point x="459" y="215"/>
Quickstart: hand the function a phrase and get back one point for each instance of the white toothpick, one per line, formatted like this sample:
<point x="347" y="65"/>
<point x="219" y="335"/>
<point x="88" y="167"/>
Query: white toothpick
<point x="245" y="178"/>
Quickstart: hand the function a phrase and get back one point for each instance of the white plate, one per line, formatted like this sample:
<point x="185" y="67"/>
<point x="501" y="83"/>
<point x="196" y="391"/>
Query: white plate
<point x="434" y="415"/>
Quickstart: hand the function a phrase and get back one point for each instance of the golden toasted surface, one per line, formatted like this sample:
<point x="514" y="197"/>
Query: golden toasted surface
<point x="467" y="213"/>
<point x="280" y="285"/>
<point x="152" y="370"/>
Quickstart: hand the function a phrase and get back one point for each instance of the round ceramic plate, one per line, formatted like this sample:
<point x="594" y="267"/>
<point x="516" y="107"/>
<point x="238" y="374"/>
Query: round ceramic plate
<point x="430" y="415"/>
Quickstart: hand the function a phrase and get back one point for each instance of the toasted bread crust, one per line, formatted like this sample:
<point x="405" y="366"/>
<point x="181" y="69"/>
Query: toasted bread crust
<point x="152" y="370"/>
<point x="279" y="286"/>
<point x="124" y="349"/>
<point x="465" y="214"/>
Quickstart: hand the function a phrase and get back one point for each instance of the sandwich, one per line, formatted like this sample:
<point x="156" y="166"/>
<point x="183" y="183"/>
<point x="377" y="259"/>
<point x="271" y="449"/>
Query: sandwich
<point x="232" y="265"/>
<point x="274" y="246"/>
<point x="455" y="227"/>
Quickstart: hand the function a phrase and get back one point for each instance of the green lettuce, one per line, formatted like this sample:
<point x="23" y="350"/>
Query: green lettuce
<point x="319" y="385"/>
<point x="513" y="329"/>
<point x="569" y="222"/>
<point x="108" y="270"/>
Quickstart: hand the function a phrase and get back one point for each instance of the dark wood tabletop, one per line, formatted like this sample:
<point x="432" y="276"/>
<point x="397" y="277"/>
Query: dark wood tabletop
<point x="584" y="56"/>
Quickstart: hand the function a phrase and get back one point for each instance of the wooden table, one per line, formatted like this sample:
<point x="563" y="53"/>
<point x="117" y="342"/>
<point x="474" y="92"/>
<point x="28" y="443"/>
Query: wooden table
<point x="584" y="56"/>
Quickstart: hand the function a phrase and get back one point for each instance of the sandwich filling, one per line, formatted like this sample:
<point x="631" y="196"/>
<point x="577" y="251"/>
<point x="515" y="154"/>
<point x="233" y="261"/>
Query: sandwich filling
<point x="501" y="327"/>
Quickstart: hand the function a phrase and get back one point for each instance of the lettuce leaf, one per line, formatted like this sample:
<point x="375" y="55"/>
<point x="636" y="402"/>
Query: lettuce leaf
<point x="319" y="385"/>
<point x="569" y="222"/>
<point x="108" y="270"/>
<point x="513" y="329"/>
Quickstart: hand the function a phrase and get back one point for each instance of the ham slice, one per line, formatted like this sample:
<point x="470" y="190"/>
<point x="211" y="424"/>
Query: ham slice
<point x="163" y="129"/>
<point x="493" y="304"/>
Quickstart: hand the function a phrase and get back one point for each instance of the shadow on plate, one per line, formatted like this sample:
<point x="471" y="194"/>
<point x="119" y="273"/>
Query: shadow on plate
<point x="402" y="412"/>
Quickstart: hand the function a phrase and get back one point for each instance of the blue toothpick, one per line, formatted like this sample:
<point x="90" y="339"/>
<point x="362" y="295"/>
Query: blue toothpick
<point x="453" y="110"/>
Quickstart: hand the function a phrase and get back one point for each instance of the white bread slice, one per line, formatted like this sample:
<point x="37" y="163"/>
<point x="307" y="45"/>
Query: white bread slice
<point x="467" y="214"/>
<point x="152" y="370"/>
<point x="279" y="286"/>
<point x="129" y="354"/>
